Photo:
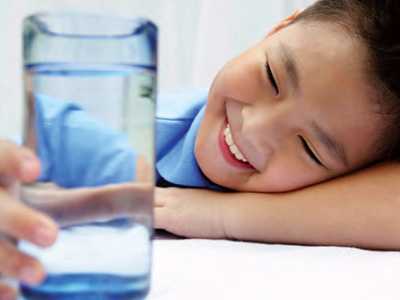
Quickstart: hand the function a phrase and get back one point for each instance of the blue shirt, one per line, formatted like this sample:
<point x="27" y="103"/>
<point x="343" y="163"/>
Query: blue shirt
<point x="76" y="150"/>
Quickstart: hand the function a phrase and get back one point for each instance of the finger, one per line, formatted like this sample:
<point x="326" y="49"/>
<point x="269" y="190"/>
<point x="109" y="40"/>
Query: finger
<point x="29" y="165"/>
<point x="17" y="163"/>
<point x="18" y="265"/>
<point x="9" y="162"/>
<point x="7" y="292"/>
<point x="22" y="222"/>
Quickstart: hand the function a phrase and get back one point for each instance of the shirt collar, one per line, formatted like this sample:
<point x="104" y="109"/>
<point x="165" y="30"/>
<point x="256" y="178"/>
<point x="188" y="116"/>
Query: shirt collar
<point x="179" y="165"/>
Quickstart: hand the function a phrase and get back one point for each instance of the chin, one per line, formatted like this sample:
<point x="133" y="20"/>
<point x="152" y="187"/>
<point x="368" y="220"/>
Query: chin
<point x="209" y="162"/>
<point x="213" y="169"/>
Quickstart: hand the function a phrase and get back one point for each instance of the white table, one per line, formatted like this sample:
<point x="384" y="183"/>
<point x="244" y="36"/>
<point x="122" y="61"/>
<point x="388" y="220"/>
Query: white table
<point x="217" y="269"/>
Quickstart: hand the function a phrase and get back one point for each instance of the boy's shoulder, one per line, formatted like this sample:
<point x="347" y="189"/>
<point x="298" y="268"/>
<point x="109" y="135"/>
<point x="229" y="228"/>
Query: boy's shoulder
<point x="180" y="105"/>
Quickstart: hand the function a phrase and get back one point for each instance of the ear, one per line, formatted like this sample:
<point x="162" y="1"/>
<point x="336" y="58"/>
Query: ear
<point x="284" y="23"/>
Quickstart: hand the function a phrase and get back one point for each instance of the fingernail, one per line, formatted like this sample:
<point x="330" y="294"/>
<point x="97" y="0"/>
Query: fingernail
<point x="44" y="236"/>
<point x="30" y="275"/>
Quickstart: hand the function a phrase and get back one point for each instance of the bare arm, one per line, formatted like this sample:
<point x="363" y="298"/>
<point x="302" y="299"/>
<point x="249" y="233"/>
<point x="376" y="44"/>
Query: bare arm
<point x="87" y="204"/>
<point x="361" y="209"/>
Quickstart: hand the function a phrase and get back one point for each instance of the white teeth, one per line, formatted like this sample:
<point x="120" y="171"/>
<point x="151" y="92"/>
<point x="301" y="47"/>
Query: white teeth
<point x="229" y="139"/>
<point x="232" y="147"/>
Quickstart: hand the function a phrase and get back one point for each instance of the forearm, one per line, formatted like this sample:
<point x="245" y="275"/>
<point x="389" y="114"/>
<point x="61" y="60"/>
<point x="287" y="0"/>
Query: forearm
<point x="362" y="209"/>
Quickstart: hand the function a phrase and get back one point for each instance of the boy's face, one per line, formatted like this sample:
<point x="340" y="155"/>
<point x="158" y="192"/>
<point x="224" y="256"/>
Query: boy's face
<point x="297" y="107"/>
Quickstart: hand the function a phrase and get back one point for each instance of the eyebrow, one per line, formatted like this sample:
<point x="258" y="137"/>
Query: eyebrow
<point x="290" y="65"/>
<point x="336" y="149"/>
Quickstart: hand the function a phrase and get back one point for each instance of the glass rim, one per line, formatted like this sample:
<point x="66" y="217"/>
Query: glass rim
<point x="39" y="19"/>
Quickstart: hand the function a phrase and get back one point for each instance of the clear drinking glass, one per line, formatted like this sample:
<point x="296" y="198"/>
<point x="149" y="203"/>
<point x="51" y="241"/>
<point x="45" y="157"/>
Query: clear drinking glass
<point x="90" y="87"/>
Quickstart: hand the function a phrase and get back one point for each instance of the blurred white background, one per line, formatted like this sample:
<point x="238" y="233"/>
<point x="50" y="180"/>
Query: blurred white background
<point x="196" y="38"/>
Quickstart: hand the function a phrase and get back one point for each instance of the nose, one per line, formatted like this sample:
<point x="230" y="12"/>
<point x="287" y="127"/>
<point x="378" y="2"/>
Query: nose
<point x="269" y="123"/>
<point x="265" y="130"/>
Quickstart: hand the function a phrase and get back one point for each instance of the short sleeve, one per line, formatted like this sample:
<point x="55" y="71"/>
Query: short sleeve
<point x="77" y="150"/>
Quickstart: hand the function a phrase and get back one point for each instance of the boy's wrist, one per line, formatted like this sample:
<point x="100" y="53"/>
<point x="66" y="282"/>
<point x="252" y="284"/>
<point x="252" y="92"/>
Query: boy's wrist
<point x="236" y="214"/>
<point x="195" y="213"/>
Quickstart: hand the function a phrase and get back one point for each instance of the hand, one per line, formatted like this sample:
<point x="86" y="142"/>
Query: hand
<point x="17" y="221"/>
<point x="195" y="213"/>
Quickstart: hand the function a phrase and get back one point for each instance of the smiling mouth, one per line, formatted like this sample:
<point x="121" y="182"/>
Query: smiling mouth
<point x="230" y="150"/>
<point x="232" y="146"/>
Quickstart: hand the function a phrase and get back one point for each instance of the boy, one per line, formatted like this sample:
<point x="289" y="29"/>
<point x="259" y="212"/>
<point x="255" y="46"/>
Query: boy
<point x="291" y="112"/>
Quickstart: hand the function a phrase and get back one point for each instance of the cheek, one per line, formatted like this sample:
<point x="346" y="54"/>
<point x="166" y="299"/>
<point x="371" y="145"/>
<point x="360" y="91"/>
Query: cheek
<point x="206" y="150"/>
<point x="285" y="173"/>
<point x="238" y="79"/>
<point x="207" y="134"/>
<point x="282" y="180"/>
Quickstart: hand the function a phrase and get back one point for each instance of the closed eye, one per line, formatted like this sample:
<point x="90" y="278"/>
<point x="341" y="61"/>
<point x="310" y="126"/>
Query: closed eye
<point x="271" y="78"/>
<point x="309" y="152"/>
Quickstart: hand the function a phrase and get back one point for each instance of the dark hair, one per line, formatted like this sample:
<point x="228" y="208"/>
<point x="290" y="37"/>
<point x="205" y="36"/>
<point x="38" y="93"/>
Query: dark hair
<point x="377" y="24"/>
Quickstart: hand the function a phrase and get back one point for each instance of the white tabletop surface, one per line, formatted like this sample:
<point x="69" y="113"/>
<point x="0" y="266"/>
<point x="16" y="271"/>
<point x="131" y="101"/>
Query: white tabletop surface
<point x="219" y="269"/>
